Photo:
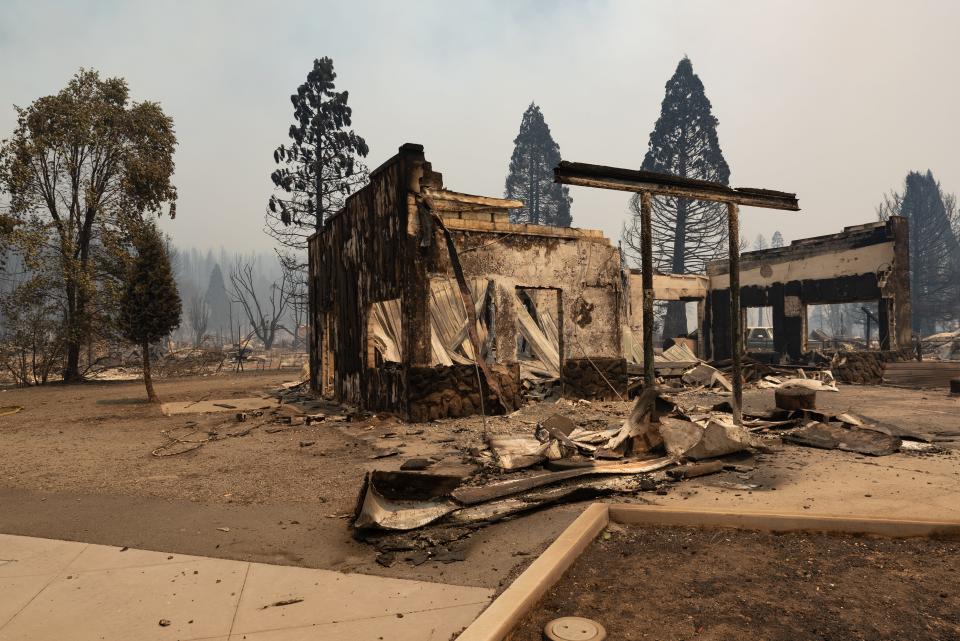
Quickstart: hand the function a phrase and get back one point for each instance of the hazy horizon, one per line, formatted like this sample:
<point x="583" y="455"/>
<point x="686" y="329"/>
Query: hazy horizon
<point x="835" y="103"/>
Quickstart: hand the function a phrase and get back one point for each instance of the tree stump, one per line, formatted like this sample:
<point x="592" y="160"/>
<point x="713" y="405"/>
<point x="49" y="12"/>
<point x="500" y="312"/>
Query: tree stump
<point x="795" y="398"/>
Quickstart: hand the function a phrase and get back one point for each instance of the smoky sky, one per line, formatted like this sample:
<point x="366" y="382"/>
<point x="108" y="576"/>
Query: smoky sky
<point x="835" y="101"/>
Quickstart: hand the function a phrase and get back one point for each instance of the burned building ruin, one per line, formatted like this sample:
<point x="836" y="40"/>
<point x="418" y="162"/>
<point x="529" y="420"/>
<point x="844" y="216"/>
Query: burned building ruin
<point x="863" y="263"/>
<point x="410" y="281"/>
<point x="390" y="330"/>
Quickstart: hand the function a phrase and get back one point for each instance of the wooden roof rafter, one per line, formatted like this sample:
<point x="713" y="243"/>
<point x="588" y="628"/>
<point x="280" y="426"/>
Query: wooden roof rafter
<point x="657" y="184"/>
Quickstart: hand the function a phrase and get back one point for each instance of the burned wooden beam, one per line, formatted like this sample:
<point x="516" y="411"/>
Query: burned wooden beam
<point x="657" y="184"/>
<point x="440" y="196"/>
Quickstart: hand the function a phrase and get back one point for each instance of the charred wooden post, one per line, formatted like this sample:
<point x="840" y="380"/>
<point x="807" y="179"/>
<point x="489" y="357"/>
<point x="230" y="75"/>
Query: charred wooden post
<point x="736" y="327"/>
<point x="649" y="184"/>
<point x="646" y="249"/>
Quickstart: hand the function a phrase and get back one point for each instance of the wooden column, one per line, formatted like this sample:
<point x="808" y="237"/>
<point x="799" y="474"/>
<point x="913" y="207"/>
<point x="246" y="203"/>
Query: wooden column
<point x="646" y="267"/>
<point x="736" y="328"/>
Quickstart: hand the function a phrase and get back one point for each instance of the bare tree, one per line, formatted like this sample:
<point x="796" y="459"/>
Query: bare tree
<point x="295" y="274"/>
<point x="264" y="312"/>
<point x="198" y="315"/>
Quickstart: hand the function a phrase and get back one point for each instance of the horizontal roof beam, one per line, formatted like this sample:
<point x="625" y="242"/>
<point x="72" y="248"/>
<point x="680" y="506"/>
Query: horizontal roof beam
<point x="599" y="176"/>
<point x="445" y="195"/>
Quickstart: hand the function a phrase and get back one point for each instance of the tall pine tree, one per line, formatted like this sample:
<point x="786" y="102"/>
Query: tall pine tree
<point x="150" y="307"/>
<point x="217" y="300"/>
<point x="687" y="234"/>
<point x="776" y="240"/>
<point x="934" y="250"/>
<point x="321" y="165"/>
<point x="530" y="177"/>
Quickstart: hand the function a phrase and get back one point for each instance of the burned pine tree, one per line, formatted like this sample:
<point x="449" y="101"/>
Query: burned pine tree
<point x="316" y="171"/>
<point x="934" y="249"/>
<point x="321" y="165"/>
<point x="687" y="234"/>
<point x="530" y="177"/>
<point x="198" y="316"/>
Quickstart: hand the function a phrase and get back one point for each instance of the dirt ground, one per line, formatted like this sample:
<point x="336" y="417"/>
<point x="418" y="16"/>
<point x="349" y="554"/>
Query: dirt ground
<point x="77" y="464"/>
<point x="716" y="585"/>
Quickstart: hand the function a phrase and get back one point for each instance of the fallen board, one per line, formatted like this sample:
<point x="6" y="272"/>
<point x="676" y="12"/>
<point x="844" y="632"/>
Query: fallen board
<point x="833" y="437"/>
<point x="217" y="405"/>
<point x="929" y="374"/>
<point x="483" y="493"/>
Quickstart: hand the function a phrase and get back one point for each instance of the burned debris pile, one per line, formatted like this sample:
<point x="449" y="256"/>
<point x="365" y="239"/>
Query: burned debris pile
<point x="666" y="439"/>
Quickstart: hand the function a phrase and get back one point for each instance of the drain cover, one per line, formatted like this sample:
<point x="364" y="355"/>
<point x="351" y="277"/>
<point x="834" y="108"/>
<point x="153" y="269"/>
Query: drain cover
<point x="574" y="629"/>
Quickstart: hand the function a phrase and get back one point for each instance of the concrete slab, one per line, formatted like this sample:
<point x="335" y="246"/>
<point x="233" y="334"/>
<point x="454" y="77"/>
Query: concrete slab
<point x="17" y="593"/>
<point x="218" y="405"/>
<point x="197" y="598"/>
<point x="29" y="556"/>
<point x="333" y="597"/>
<point x="105" y="557"/>
<point x="67" y="590"/>
<point x="431" y="625"/>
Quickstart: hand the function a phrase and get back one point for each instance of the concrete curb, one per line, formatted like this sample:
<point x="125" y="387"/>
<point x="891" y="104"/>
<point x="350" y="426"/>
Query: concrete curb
<point x="503" y="615"/>
<point x="779" y="522"/>
<point x="498" y="620"/>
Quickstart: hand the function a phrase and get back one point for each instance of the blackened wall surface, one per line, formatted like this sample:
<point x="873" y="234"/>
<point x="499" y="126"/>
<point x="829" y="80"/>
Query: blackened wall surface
<point x="358" y="258"/>
<point x="384" y="245"/>
<point x="862" y="263"/>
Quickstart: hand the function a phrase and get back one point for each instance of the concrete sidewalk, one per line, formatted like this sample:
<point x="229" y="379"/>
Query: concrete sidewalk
<point x="53" y="589"/>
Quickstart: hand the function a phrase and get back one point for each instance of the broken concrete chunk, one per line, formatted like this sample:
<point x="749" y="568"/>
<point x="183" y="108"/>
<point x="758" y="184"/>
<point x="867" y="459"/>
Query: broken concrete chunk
<point x="416" y="464"/>
<point x="559" y="423"/>
<point x="834" y="437"/>
<point x="679" y="437"/>
<point x="707" y="376"/>
<point x="517" y="452"/>
<point x="717" y="437"/>
<point x="721" y="436"/>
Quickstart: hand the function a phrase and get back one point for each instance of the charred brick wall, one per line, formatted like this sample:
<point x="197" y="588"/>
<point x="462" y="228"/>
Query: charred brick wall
<point x="453" y="391"/>
<point x="595" y="378"/>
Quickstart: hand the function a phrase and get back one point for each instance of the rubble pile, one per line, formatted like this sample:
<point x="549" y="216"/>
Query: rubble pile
<point x="944" y="346"/>
<point x="416" y="513"/>
<point x="864" y="368"/>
